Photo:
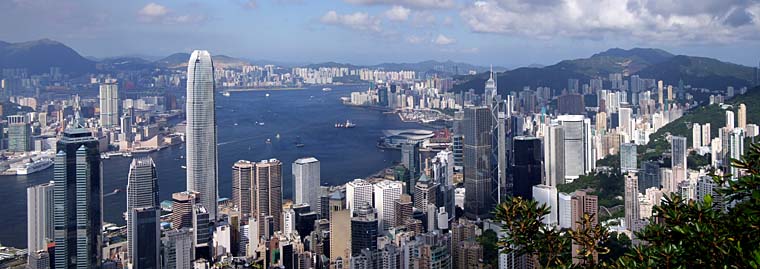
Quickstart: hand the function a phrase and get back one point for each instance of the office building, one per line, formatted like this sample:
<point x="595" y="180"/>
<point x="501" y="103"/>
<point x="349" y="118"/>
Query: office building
<point x="386" y="192"/>
<point x="19" y="134"/>
<point x="183" y="204"/>
<point x="242" y="177"/>
<point x="267" y="194"/>
<point x="632" y="202"/>
<point x="144" y="230"/>
<point x="583" y="203"/>
<point x="358" y="192"/>
<point x="678" y="160"/>
<point x="410" y="158"/>
<point x="109" y="104"/>
<point x="478" y="179"/>
<point x="425" y="192"/>
<point x="306" y="180"/>
<point x="39" y="212"/>
<point x="628" y="155"/>
<point x="565" y="210"/>
<point x="730" y="119"/>
<point x="547" y="195"/>
<point x="404" y="207"/>
<point x="77" y="197"/>
<point x="364" y="229"/>
<point x="200" y="134"/>
<point x="696" y="136"/>
<point x="650" y="176"/>
<point x="579" y="156"/>
<point x="142" y="197"/>
<point x="178" y="250"/>
<point x="554" y="156"/>
<point x="571" y="104"/>
<point x="526" y="165"/>
<point x="736" y="150"/>
<point x="625" y="121"/>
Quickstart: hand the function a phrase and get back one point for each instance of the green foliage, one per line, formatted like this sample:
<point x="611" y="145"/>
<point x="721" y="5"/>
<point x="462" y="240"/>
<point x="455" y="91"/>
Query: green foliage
<point x="489" y="241"/>
<point x="608" y="186"/>
<point x="721" y="231"/>
<point x="694" y="161"/>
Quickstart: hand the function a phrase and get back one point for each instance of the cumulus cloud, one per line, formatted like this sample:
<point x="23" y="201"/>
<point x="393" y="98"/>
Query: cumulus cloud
<point x="156" y="13"/>
<point x="443" y="40"/>
<point x="357" y="21"/>
<point x="397" y="13"/>
<point x="414" y="39"/>
<point x="639" y="20"/>
<point x="408" y="3"/>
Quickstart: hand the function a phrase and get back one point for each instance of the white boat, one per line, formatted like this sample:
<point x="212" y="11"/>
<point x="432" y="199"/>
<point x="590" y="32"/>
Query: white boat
<point x="184" y="167"/>
<point x="34" y="167"/>
<point x="326" y="89"/>
<point x="226" y="94"/>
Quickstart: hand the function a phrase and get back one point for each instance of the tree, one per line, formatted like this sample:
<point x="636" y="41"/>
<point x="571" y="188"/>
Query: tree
<point x="721" y="231"/>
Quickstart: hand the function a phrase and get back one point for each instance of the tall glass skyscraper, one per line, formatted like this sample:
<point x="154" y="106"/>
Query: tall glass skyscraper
<point x="200" y="136"/>
<point x="306" y="178"/>
<point x="478" y="181"/>
<point x="526" y="165"/>
<point x="109" y="104"/>
<point x="77" y="200"/>
<point x="142" y="212"/>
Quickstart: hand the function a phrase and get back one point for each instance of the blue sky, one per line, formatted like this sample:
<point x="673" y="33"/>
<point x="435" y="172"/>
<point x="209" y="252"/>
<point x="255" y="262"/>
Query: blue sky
<point x="501" y="32"/>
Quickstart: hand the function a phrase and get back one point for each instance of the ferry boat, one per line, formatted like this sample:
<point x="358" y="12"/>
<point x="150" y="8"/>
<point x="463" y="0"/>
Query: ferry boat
<point x="326" y="89"/>
<point x="226" y="94"/>
<point x="34" y="167"/>
<point x="348" y="124"/>
<point x="183" y="167"/>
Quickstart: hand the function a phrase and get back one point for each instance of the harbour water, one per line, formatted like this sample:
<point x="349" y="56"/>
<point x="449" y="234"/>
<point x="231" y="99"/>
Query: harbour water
<point x="307" y="116"/>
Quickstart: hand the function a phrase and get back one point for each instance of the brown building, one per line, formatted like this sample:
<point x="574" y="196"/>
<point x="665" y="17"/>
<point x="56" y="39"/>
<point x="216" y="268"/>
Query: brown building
<point x="582" y="203"/>
<point x="266" y="198"/>
<point x="403" y="208"/>
<point x="182" y="209"/>
<point x="242" y="176"/>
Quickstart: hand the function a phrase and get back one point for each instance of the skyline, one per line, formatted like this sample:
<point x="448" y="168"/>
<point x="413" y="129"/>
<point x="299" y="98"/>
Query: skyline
<point x="509" y="33"/>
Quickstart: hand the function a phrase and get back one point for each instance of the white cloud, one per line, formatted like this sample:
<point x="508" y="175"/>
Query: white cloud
<point x="638" y="20"/>
<point x="357" y="21"/>
<point x="443" y="40"/>
<point x="152" y="12"/>
<point x="408" y="3"/>
<point x="414" y="39"/>
<point x="156" y="13"/>
<point x="397" y="13"/>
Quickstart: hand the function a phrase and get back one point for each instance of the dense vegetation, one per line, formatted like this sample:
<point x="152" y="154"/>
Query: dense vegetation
<point x="608" y="186"/>
<point x="682" y="234"/>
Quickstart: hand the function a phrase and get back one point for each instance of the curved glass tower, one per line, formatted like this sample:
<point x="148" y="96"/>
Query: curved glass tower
<point x="200" y="137"/>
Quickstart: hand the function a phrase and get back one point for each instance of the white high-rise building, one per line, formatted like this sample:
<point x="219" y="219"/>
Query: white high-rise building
<point x="544" y="194"/>
<point x="737" y="149"/>
<point x="386" y="193"/>
<point x="706" y="135"/>
<point x="109" y="104"/>
<point x="142" y="193"/>
<point x="39" y="209"/>
<point x="729" y="119"/>
<point x="716" y="149"/>
<point x="565" y="210"/>
<point x="306" y="178"/>
<point x="578" y="148"/>
<point x="625" y="119"/>
<point x="358" y="192"/>
<point x="678" y="160"/>
<point x="178" y="249"/>
<point x="200" y="135"/>
<point x="696" y="136"/>
<point x="554" y="155"/>
<point x="632" y="202"/>
<point x="628" y="156"/>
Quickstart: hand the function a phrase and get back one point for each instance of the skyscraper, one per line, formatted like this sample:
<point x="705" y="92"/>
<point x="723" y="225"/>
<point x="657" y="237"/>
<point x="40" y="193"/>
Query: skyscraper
<point x="182" y="209"/>
<point x="142" y="197"/>
<point x="628" y="157"/>
<point x="425" y="192"/>
<point x="77" y="199"/>
<point x="410" y="158"/>
<point x="730" y="119"/>
<point x="577" y="146"/>
<point x="706" y="135"/>
<point x="386" y="192"/>
<point x="526" y="165"/>
<point x="696" y="136"/>
<point x="736" y="149"/>
<point x="179" y="252"/>
<point x="478" y="180"/>
<point x="306" y="178"/>
<point x="39" y="208"/>
<point x="554" y="155"/>
<point x="364" y="229"/>
<point x="358" y="192"/>
<point x="583" y="203"/>
<point x="200" y="135"/>
<point x="631" y="202"/>
<point x="109" y="104"/>
<point x="547" y="195"/>
<point x="678" y="160"/>
<point x="625" y="120"/>
<point x="267" y="194"/>
<point x="242" y="176"/>
<point x="741" y="117"/>
<point x="145" y="237"/>
<point x="19" y="134"/>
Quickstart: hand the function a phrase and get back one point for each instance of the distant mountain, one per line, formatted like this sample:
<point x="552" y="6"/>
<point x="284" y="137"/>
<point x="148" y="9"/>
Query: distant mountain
<point x="700" y="72"/>
<point x="125" y="63"/>
<point x="179" y="60"/>
<point x="40" y="55"/>
<point x="645" y="62"/>
<point x="430" y="66"/>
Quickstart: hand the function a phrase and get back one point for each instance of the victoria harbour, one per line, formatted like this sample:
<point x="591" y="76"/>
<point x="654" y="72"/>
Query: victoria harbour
<point x="307" y="115"/>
